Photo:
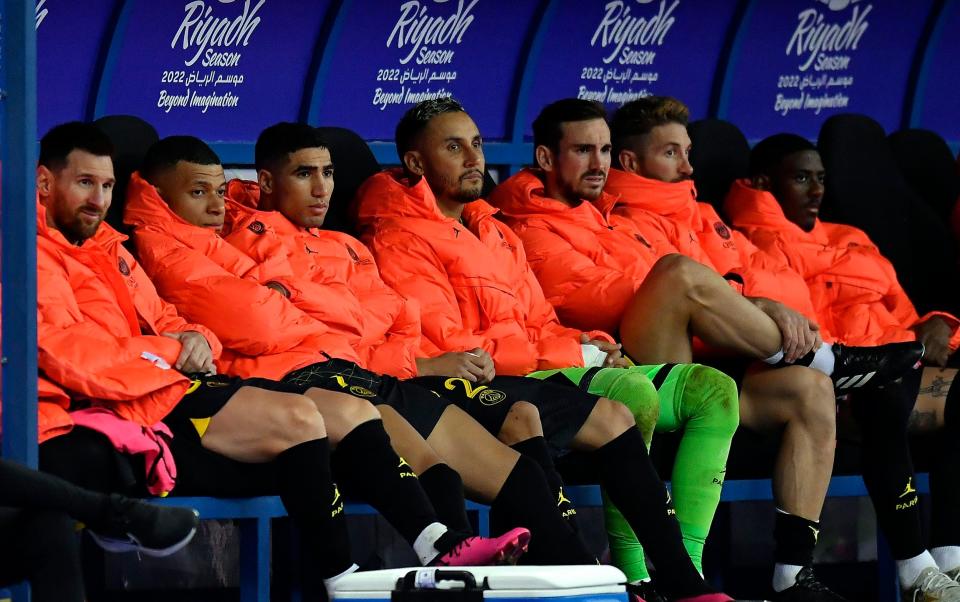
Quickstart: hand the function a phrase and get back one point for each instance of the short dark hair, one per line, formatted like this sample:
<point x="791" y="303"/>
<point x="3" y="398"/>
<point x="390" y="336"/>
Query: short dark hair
<point x="65" y="138"/>
<point x="415" y="120"/>
<point x="638" y="118"/>
<point x="166" y="153"/>
<point x="548" y="126"/>
<point x="281" y="139"/>
<point x="769" y="152"/>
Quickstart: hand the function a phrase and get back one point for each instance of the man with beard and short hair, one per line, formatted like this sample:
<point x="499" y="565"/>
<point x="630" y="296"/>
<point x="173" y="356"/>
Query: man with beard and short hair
<point x="860" y="300"/>
<point x="437" y="243"/>
<point x="597" y="268"/>
<point x="110" y="342"/>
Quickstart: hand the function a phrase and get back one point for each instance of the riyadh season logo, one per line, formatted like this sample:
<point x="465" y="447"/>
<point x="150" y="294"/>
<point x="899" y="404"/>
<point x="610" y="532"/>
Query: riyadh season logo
<point x="203" y="30"/>
<point x="417" y="28"/>
<point x="619" y="30"/>
<point x="818" y="41"/>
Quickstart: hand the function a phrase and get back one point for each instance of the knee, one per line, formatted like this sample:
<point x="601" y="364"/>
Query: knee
<point x="634" y="390"/>
<point x="297" y="420"/>
<point x="355" y="410"/>
<point x="680" y="274"/>
<point x="522" y="423"/>
<point x="612" y="418"/>
<point x="714" y="397"/>
<point x="816" y="404"/>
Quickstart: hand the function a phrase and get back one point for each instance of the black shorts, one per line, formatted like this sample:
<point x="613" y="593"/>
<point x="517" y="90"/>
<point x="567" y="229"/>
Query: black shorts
<point x="563" y="408"/>
<point x="207" y="395"/>
<point x="420" y="407"/>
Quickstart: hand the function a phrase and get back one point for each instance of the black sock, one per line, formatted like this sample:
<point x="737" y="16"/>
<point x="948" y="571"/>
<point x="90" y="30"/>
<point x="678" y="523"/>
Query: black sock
<point x="536" y="449"/>
<point x="625" y="471"/>
<point x="368" y="469"/>
<point x="944" y="484"/>
<point x="525" y="501"/>
<point x="444" y="487"/>
<point x="888" y="467"/>
<point x="21" y="487"/>
<point x="316" y="508"/>
<point x="794" y="538"/>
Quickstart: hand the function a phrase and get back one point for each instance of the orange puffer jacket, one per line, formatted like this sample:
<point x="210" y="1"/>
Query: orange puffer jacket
<point x="334" y="280"/>
<point x="854" y="288"/>
<point x="214" y="283"/>
<point x="472" y="279"/>
<point x="589" y="262"/>
<point x="53" y="411"/>
<point x="670" y="211"/>
<point x="99" y="326"/>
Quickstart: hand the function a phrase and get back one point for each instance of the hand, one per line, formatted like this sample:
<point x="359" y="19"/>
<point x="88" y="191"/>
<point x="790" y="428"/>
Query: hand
<point x="195" y="353"/>
<point x="934" y="333"/>
<point x="614" y="357"/>
<point x="475" y="365"/>
<point x="800" y="335"/>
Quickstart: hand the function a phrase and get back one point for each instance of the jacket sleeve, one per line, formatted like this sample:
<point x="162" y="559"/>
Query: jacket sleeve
<point x="585" y="294"/>
<point x="247" y="317"/>
<point x="410" y="266"/>
<point x="397" y="353"/>
<point x="86" y="359"/>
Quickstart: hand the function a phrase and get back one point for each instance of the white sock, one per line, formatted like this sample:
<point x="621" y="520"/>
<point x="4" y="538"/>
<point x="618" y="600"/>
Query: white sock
<point x="823" y="359"/>
<point x="908" y="570"/>
<point x="947" y="557"/>
<point x="423" y="544"/>
<point x="331" y="582"/>
<point x="774" y="359"/>
<point x="785" y="575"/>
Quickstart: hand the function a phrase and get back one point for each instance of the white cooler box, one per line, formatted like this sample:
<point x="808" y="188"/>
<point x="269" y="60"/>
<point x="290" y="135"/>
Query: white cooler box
<point x="583" y="583"/>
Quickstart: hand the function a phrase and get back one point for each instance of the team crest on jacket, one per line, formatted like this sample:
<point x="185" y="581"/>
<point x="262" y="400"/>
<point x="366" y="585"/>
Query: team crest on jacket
<point x="257" y="227"/>
<point x="722" y="230"/>
<point x="123" y="267"/>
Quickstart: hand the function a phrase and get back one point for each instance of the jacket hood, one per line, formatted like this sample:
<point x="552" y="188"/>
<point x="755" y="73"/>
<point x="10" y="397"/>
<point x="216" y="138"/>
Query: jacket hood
<point x="676" y="200"/>
<point x="244" y="192"/>
<point x="145" y="208"/>
<point x="751" y="208"/>
<point x="522" y="196"/>
<point x="389" y="194"/>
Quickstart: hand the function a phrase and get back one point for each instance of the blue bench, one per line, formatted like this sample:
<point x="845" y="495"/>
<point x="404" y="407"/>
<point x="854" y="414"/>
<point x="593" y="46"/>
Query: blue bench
<point x="254" y="516"/>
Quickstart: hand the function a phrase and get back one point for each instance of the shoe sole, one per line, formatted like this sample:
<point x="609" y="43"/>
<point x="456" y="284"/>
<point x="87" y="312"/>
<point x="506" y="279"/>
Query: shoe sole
<point x="118" y="546"/>
<point x="512" y="550"/>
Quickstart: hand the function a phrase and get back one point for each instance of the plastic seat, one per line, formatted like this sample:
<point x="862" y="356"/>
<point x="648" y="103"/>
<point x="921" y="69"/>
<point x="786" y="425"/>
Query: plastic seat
<point x="866" y="189"/>
<point x="720" y="154"/>
<point x="354" y="163"/>
<point x="928" y="166"/>
<point x="131" y="137"/>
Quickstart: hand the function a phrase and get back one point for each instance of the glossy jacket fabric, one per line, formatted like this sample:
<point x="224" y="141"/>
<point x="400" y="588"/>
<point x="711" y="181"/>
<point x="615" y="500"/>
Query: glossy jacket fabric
<point x="669" y="214"/>
<point x="214" y="283"/>
<point x="854" y="288"/>
<point x="334" y="280"/>
<point x="99" y="325"/>
<point x="589" y="261"/>
<point x="471" y="278"/>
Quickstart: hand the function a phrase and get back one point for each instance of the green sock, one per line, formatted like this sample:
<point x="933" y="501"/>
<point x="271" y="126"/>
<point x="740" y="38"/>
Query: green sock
<point x="703" y="402"/>
<point x="633" y="389"/>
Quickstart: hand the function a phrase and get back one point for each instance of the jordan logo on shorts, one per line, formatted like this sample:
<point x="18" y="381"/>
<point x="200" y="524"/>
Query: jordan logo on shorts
<point x="409" y="469"/>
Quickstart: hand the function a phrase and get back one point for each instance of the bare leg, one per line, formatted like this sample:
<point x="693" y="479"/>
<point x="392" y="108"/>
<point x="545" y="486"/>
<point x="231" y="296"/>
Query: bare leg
<point x="928" y="413"/>
<point x="680" y="298"/>
<point x="341" y="412"/>
<point x="256" y="425"/>
<point x="483" y="462"/>
<point x="801" y="402"/>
